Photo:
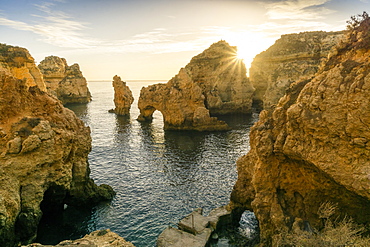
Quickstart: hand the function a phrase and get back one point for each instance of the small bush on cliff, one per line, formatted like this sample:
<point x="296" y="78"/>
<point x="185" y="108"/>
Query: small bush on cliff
<point x="335" y="233"/>
<point x="359" y="31"/>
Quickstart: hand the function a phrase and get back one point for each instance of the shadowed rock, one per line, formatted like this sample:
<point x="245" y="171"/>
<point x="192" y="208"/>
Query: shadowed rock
<point x="44" y="149"/>
<point x="65" y="82"/>
<point x="122" y="97"/>
<point x="313" y="148"/>
<point x="293" y="57"/>
<point x="213" y="83"/>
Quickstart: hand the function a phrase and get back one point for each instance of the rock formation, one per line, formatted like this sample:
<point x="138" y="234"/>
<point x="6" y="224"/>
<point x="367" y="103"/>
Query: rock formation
<point x="122" y="97"/>
<point x="181" y="103"/>
<point x="17" y="62"/>
<point x="65" y="82"/>
<point x="314" y="147"/>
<point x="222" y="78"/>
<point x="293" y="57"/>
<point x="101" y="238"/>
<point x="213" y="83"/>
<point x="43" y="158"/>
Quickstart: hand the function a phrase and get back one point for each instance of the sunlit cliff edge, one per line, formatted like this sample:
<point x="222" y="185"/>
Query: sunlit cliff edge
<point x="44" y="149"/>
<point x="313" y="147"/>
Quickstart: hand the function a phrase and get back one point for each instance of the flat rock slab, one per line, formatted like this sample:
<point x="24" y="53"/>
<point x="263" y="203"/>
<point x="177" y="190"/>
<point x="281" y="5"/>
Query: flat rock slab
<point x="194" y="223"/>
<point x="172" y="237"/>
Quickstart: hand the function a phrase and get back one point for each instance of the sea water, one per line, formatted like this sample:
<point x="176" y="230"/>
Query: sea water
<point x="159" y="176"/>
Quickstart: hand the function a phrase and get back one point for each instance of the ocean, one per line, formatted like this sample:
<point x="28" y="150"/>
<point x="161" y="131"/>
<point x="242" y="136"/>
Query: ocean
<point x="159" y="176"/>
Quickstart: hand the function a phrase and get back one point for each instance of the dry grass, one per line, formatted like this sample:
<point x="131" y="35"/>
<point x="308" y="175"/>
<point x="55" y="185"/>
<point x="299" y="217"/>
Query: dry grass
<point x="335" y="233"/>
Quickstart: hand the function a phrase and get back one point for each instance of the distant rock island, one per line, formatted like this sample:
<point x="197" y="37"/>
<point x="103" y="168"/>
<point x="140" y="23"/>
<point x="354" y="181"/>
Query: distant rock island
<point x="313" y="147"/>
<point x="65" y="82"/>
<point x="123" y="98"/>
<point x="293" y="57"/>
<point x="213" y="83"/>
<point x="44" y="150"/>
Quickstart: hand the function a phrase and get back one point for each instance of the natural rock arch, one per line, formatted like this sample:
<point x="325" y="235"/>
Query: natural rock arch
<point x="181" y="103"/>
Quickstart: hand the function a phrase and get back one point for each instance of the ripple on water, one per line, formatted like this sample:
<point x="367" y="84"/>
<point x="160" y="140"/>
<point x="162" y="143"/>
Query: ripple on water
<point x="159" y="176"/>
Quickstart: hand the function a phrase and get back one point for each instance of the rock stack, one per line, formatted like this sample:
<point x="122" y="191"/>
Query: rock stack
<point x="122" y="97"/>
<point x="65" y="82"/>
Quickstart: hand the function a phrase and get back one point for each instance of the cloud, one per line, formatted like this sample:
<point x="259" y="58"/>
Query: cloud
<point x="54" y="27"/>
<point x="297" y="10"/>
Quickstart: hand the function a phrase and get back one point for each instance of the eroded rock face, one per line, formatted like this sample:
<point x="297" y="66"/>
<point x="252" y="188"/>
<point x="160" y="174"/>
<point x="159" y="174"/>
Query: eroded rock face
<point x="222" y="78"/>
<point x="101" y="238"/>
<point x="181" y="103"/>
<point x="314" y="147"/>
<point x="17" y="62"/>
<point x="213" y="83"/>
<point x="123" y="98"/>
<point x="65" y="82"/>
<point x="43" y="160"/>
<point x="293" y="57"/>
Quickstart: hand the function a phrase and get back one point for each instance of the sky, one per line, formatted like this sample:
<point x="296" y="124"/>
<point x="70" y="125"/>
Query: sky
<point x="153" y="39"/>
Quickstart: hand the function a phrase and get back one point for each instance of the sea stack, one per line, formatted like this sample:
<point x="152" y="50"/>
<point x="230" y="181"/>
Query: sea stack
<point x="65" y="82"/>
<point x="313" y="147"/>
<point x="213" y="83"/>
<point x="123" y="98"/>
<point x="44" y="149"/>
<point x="293" y="57"/>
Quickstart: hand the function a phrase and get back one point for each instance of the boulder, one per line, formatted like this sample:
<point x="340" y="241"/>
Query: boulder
<point x="100" y="238"/>
<point x="44" y="150"/>
<point x="293" y="57"/>
<point x="313" y="148"/>
<point x="65" y="82"/>
<point x="122" y="97"/>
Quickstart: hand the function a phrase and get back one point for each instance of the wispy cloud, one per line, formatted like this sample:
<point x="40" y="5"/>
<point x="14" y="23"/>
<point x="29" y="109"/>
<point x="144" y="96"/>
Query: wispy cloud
<point x="297" y="10"/>
<point x="54" y="27"/>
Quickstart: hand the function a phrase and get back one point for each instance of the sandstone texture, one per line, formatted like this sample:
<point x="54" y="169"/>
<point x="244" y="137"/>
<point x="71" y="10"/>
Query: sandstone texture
<point x="181" y="103"/>
<point x="314" y="147"/>
<point x="65" y="82"/>
<point x="223" y="80"/>
<point x="101" y="238"/>
<point x="43" y="159"/>
<point x="293" y="57"/>
<point x="213" y="83"/>
<point x="17" y="62"/>
<point x="123" y="98"/>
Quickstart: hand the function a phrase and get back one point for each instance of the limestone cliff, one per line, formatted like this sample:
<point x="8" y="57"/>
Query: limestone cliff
<point x="18" y="62"/>
<point x="293" y="57"/>
<point x="102" y="238"/>
<point x="181" y="103"/>
<point x="43" y="159"/>
<point x="122" y="97"/>
<point x="65" y="82"/>
<point x="213" y="83"/>
<point x="222" y="78"/>
<point x="314" y="147"/>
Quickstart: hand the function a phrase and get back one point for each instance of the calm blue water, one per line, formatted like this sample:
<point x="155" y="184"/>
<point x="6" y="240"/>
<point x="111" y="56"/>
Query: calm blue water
<point x="159" y="176"/>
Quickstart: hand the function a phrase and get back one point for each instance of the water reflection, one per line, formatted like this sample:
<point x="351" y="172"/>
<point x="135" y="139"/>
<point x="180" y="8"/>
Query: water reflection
<point x="159" y="176"/>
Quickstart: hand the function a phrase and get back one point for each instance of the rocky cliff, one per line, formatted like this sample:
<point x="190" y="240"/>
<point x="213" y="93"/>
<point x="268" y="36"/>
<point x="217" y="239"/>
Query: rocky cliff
<point x="17" y="62"/>
<point x="102" y="238"/>
<point x="65" y="82"/>
<point x="293" y="57"/>
<point x="181" y="103"/>
<point x="222" y="78"/>
<point x="123" y="98"/>
<point x="43" y="159"/>
<point x="314" y="147"/>
<point x="213" y="83"/>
